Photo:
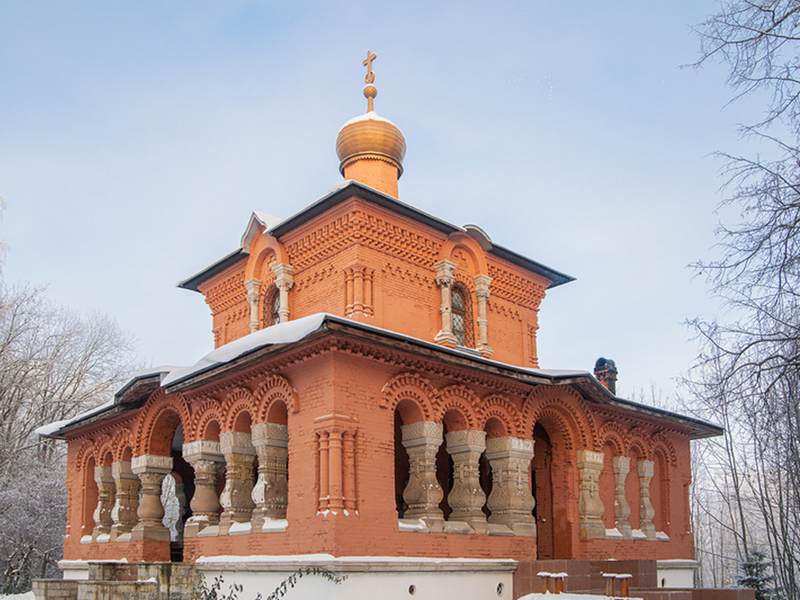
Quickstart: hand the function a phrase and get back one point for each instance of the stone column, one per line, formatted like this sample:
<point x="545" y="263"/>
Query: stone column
<point x="466" y="498"/>
<point x="284" y="282"/>
<point x="253" y="287"/>
<point x="590" y="506"/>
<point x="444" y="279"/>
<point x="105" y="502"/>
<point x="205" y="457"/>
<point x="622" y="512"/>
<point x="126" y="502"/>
<point x="423" y="492"/>
<point x="511" y="501"/>
<point x="482" y="294"/>
<point x="271" y="491"/>
<point x="236" y="498"/>
<point x="646" y="510"/>
<point x="151" y="471"/>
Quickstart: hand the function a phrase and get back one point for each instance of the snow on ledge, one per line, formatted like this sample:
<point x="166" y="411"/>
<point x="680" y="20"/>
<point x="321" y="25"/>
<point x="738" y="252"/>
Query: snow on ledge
<point x="283" y="333"/>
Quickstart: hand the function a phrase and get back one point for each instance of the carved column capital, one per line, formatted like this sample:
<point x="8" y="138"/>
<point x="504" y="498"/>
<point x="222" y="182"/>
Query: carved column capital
<point x="253" y="287"/>
<point x="466" y="497"/>
<point x="482" y="286"/>
<point x="445" y="273"/>
<point x="283" y="276"/>
<point x="151" y="470"/>
<point x="423" y="492"/>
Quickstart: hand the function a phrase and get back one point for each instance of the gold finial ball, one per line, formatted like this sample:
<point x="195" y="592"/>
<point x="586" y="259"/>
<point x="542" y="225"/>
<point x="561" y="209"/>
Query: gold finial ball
<point x="370" y="91"/>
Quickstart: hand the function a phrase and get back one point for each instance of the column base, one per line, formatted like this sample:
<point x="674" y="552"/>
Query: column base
<point x="151" y="533"/>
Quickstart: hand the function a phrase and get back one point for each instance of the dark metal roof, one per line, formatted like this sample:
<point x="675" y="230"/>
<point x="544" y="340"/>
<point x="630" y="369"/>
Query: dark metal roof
<point x="347" y="190"/>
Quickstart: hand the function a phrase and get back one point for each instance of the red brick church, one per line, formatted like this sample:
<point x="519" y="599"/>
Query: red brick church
<point x="375" y="404"/>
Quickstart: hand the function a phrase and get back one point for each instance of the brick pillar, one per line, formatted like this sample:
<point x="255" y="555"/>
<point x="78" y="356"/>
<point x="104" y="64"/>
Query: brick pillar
<point x="284" y="282"/>
<point x="482" y="294"/>
<point x="336" y="435"/>
<point x="105" y="502"/>
<point x="253" y="287"/>
<point x="622" y="512"/>
<point x="236" y="498"/>
<point x="126" y="503"/>
<point x="444" y="279"/>
<point x="271" y="491"/>
<point x="646" y="511"/>
<point x="466" y="498"/>
<point x="511" y="501"/>
<point x="205" y="457"/>
<point x="151" y="471"/>
<point x="590" y="506"/>
<point x="423" y="492"/>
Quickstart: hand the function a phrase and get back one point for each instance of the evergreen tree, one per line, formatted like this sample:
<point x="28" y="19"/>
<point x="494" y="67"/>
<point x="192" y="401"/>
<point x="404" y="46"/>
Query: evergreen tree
<point x="756" y="575"/>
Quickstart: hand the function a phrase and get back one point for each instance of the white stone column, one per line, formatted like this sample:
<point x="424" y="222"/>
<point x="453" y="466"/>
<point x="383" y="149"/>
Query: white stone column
<point x="482" y="294"/>
<point x="126" y="502"/>
<point x="105" y="502"/>
<point x="284" y="282"/>
<point x="271" y="491"/>
<point x="423" y="492"/>
<point x="205" y="457"/>
<point x="622" y="512"/>
<point x="511" y="501"/>
<point x="151" y="471"/>
<point x="253" y="287"/>
<point x="590" y="506"/>
<point x="445" y="277"/>
<point x="466" y="498"/>
<point x="237" y="503"/>
<point x="646" y="510"/>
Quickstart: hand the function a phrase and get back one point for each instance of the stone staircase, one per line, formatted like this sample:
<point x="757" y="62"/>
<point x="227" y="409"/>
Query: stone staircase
<point x="121" y="581"/>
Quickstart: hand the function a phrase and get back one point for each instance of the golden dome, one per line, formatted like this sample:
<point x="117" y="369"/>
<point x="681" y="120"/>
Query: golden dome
<point x="370" y="136"/>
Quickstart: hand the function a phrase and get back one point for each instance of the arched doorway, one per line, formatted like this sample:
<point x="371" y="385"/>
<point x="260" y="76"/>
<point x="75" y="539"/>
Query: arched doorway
<point x="542" y="489"/>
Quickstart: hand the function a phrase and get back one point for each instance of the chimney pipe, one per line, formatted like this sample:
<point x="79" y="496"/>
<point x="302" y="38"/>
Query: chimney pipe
<point x="606" y="372"/>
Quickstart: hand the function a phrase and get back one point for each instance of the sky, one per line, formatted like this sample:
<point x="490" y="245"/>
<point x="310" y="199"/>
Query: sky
<point x="136" y="138"/>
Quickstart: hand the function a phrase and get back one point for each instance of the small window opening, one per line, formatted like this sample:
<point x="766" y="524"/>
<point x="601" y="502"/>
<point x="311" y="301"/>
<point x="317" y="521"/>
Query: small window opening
<point x="272" y="307"/>
<point x="462" y="316"/>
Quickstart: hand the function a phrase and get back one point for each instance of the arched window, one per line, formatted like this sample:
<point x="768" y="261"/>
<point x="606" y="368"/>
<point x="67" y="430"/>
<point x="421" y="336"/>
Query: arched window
<point x="272" y="305"/>
<point x="461" y="307"/>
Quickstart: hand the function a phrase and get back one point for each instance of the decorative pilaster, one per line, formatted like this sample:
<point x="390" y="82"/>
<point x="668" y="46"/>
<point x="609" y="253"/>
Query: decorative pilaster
<point x="482" y="294"/>
<point x="590" y="506"/>
<point x="445" y="277"/>
<point x="271" y="491"/>
<point x="646" y="510"/>
<point x="423" y="492"/>
<point x="253" y="287"/>
<point x="284" y="282"/>
<point x="466" y="498"/>
<point x="358" y="291"/>
<point x="236" y="498"/>
<point x="336" y="475"/>
<point x="622" y="512"/>
<point x="126" y="503"/>
<point x="205" y="457"/>
<point x="511" y="501"/>
<point x="151" y="471"/>
<point x="105" y="502"/>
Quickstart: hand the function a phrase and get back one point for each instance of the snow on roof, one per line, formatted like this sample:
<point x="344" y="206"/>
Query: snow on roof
<point x="51" y="428"/>
<point x="282" y="333"/>
<point x="370" y="116"/>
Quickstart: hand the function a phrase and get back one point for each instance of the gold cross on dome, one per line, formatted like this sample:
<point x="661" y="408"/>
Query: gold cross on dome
<point x="368" y="63"/>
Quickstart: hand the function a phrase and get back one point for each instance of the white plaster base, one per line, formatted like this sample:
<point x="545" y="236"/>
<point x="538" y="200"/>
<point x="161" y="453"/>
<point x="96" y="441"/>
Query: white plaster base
<point x="387" y="578"/>
<point x="676" y="573"/>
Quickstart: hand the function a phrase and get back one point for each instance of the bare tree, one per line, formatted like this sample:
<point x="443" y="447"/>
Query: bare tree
<point x="54" y="364"/>
<point x="748" y="375"/>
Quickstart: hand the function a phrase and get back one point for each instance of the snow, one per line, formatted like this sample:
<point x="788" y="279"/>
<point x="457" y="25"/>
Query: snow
<point x="370" y="116"/>
<point x="25" y="596"/>
<point x="348" y="559"/>
<point x="239" y="528"/>
<point x="275" y="525"/>
<point x="283" y="333"/>
<point x="53" y="427"/>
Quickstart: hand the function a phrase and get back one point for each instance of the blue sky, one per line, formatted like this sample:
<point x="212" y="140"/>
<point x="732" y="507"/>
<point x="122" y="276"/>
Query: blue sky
<point x="137" y="137"/>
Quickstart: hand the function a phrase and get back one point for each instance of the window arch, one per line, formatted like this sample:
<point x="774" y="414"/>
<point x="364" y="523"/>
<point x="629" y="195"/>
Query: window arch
<point x="271" y="309"/>
<point x="461" y="307"/>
